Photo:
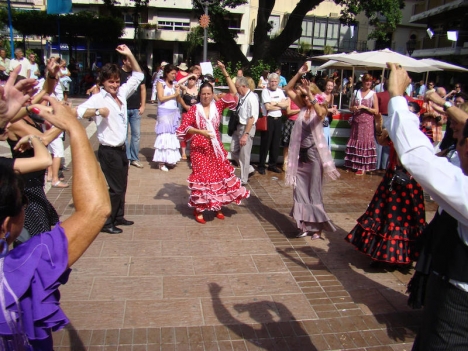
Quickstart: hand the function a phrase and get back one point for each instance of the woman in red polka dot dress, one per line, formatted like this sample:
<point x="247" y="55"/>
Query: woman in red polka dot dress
<point x="396" y="216"/>
<point x="212" y="183"/>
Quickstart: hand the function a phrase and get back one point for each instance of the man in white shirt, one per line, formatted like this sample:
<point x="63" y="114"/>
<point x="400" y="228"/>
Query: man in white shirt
<point x="422" y="88"/>
<point x="274" y="101"/>
<point x="409" y="88"/>
<point x="4" y="65"/>
<point x="109" y="107"/>
<point x="242" y="139"/>
<point x="20" y="60"/>
<point x="445" y="317"/>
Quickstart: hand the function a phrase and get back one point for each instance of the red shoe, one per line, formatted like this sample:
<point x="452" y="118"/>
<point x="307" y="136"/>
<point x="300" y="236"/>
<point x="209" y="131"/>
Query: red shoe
<point x="199" y="217"/>
<point x="219" y="215"/>
<point x="360" y="173"/>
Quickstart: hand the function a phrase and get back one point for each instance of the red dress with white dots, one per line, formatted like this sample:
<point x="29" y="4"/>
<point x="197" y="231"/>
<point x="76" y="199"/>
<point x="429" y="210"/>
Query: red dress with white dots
<point x="212" y="183"/>
<point x="387" y="231"/>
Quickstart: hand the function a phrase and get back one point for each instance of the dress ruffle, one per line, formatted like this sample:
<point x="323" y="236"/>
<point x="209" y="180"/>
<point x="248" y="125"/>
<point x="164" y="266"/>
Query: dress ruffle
<point x="212" y="196"/>
<point x="166" y="149"/>
<point x="311" y="217"/>
<point x="34" y="270"/>
<point x="388" y="230"/>
<point x="361" y="155"/>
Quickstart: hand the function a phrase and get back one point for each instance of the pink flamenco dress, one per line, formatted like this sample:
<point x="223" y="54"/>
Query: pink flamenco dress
<point x="360" y="153"/>
<point x="212" y="182"/>
<point x="387" y="232"/>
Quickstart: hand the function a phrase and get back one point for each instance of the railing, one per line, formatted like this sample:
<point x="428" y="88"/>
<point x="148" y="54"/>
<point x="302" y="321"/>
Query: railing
<point x="441" y="41"/>
<point x="431" y="4"/>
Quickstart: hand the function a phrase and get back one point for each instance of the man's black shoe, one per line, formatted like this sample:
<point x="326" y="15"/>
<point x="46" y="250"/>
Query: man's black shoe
<point x="261" y="170"/>
<point x="123" y="221"/>
<point x="274" y="169"/>
<point x="111" y="230"/>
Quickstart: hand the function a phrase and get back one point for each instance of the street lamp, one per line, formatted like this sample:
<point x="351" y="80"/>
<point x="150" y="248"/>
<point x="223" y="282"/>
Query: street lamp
<point x="411" y="44"/>
<point x="205" y="4"/>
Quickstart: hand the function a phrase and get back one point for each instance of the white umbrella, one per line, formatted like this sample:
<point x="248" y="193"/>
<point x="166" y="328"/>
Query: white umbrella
<point x="378" y="59"/>
<point x="444" y="65"/>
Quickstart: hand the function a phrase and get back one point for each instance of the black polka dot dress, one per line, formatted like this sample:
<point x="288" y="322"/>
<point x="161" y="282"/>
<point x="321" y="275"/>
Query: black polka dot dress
<point x="387" y="231"/>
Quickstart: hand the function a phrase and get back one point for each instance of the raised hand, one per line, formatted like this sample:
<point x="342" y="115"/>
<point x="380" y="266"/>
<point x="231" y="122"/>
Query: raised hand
<point x="13" y="96"/>
<point x="304" y="69"/>
<point x="398" y="80"/>
<point x="123" y="50"/>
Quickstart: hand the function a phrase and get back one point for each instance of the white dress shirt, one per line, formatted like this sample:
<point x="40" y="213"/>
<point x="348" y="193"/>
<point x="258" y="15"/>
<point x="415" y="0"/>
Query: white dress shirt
<point x="112" y="130"/>
<point x="249" y="108"/>
<point x="444" y="181"/>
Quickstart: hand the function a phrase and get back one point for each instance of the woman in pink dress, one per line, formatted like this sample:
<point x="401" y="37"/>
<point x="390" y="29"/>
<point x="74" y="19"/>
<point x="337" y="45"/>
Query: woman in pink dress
<point x="360" y="154"/>
<point x="212" y="183"/>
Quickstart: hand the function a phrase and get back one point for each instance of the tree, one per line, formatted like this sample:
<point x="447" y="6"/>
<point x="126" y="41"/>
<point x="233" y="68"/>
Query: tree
<point x="384" y="15"/>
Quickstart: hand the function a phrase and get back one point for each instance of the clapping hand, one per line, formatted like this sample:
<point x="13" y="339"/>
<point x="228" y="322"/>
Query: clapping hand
<point x="14" y="96"/>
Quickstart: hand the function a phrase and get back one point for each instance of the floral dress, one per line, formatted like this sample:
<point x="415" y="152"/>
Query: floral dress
<point x="394" y="219"/>
<point x="212" y="182"/>
<point x="360" y="151"/>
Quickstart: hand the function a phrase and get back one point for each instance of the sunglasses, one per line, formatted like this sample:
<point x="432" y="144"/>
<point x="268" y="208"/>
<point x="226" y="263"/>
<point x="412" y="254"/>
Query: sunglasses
<point x="457" y="87"/>
<point x="192" y="78"/>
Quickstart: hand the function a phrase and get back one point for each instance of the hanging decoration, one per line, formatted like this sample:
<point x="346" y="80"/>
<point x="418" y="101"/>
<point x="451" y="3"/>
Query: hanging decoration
<point x="204" y="21"/>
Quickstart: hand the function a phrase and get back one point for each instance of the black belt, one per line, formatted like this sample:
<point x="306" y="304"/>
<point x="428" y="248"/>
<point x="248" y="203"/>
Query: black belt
<point x="120" y="147"/>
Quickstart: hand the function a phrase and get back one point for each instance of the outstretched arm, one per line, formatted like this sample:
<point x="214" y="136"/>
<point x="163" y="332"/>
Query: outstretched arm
<point x="89" y="191"/>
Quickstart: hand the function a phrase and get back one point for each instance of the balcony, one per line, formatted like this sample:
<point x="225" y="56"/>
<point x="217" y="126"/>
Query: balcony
<point x="438" y="10"/>
<point x="439" y="45"/>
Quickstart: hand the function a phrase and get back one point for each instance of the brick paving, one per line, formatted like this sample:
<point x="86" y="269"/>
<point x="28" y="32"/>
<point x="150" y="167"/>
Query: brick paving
<point x="245" y="283"/>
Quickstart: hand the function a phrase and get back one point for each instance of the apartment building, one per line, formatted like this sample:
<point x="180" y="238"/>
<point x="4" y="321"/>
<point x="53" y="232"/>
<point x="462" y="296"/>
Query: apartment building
<point x="441" y="17"/>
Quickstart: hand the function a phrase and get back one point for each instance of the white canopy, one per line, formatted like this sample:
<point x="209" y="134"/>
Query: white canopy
<point x="444" y="65"/>
<point x="378" y="60"/>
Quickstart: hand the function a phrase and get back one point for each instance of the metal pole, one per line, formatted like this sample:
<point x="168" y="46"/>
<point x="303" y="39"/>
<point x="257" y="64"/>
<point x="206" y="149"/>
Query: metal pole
<point x="205" y="37"/>
<point x="10" y="23"/>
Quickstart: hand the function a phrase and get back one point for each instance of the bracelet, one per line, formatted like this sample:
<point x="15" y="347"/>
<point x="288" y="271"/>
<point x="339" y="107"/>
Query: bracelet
<point x="27" y="110"/>
<point x="226" y="76"/>
<point x="50" y="77"/>
<point x="314" y="101"/>
<point x="31" y="138"/>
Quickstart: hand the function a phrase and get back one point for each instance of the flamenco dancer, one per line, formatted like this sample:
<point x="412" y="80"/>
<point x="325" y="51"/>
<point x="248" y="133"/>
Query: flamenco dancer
<point x="394" y="219"/>
<point x="212" y="182"/>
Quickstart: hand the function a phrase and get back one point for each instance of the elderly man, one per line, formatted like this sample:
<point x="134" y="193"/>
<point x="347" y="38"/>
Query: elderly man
<point x="109" y="107"/>
<point x="19" y="59"/>
<point x="242" y="139"/>
<point x="274" y="101"/>
<point x="445" y="316"/>
<point x="4" y="65"/>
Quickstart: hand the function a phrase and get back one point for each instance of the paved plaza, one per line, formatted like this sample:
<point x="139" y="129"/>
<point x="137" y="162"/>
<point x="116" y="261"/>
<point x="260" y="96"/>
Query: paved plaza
<point x="243" y="283"/>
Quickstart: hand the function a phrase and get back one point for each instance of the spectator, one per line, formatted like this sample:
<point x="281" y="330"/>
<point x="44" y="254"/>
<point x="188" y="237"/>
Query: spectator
<point x="274" y="101"/>
<point x="136" y="105"/>
<point x="20" y="60"/>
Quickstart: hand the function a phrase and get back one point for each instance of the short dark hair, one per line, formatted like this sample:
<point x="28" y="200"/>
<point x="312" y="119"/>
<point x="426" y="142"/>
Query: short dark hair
<point x="415" y="106"/>
<point x="109" y="71"/>
<point x="11" y="193"/>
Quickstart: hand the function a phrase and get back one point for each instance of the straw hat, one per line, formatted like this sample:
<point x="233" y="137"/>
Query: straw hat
<point x="183" y="66"/>
<point x="164" y="63"/>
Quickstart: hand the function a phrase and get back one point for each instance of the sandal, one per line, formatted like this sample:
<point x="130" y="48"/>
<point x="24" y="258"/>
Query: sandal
<point x="219" y="215"/>
<point x="316" y="236"/>
<point x="199" y="217"/>
<point x="59" y="184"/>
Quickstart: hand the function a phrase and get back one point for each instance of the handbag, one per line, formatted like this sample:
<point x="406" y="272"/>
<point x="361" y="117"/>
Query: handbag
<point x="400" y="177"/>
<point x="262" y="124"/>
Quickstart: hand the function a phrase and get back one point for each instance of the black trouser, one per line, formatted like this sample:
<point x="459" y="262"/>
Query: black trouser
<point x="270" y="142"/>
<point x="445" y="318"/>
<point x="114" y="165"/>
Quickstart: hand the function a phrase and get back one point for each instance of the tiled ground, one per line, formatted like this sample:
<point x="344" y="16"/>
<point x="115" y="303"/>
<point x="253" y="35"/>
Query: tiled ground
<point x="245" y="283"/>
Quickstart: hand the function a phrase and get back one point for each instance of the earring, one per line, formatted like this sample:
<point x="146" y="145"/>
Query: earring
<point x="5" y="245"/>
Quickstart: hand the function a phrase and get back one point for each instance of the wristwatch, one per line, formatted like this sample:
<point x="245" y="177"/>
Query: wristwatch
<point x="97" y="113"/>
<point x="447" y="105"/>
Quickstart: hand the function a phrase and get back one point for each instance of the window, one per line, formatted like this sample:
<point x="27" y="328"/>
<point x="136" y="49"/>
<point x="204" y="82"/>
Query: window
<point x="174" y="25"/>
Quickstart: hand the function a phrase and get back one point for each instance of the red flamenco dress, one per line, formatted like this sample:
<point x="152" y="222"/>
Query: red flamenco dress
<point x="387" y="231"/>
<point x="212" y="182"/>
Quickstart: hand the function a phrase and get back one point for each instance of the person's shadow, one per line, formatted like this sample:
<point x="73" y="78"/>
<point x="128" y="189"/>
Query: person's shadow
<point x="387" y="305"/>
<point x="275" y="319"/>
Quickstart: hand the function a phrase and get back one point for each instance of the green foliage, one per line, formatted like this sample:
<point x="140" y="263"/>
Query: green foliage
<point x="194" y="40"/>
<point x="327" y="50"/>
<point x="303" y="47"/>
<point x="86" y="24"/>
<point x="384" y="15"/>
<point x="254" y="71"/>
